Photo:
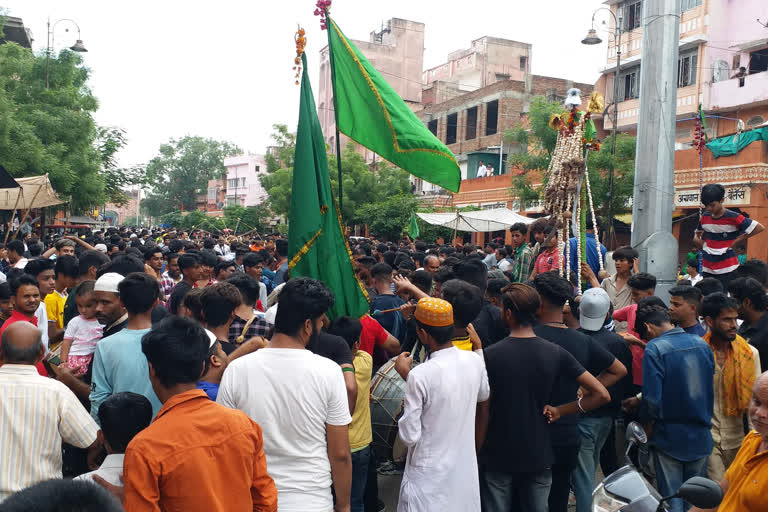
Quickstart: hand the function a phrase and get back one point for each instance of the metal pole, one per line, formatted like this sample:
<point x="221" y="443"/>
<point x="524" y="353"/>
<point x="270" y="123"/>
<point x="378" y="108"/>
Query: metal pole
<point x="609" y="203"/>
<point x="48" y="53"/>
<point x="653" y="198"/>
<point x="501" y="149"/>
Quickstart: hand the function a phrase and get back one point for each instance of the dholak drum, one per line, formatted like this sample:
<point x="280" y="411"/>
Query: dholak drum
<point x="387" y="395"/>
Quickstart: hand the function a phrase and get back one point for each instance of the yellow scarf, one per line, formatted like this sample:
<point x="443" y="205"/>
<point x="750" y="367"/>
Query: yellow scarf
<point x="738" y="376"/>
<point x="462" y="342"/>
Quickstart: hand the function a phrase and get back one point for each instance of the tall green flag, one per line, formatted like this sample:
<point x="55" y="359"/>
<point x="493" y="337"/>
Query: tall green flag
<point x="372" y="114"/>
<point x="413" y="229"/>
<point x="316" y="243"/>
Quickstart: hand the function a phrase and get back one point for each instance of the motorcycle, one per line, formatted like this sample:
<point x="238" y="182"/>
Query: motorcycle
<point x="627" y="490"/>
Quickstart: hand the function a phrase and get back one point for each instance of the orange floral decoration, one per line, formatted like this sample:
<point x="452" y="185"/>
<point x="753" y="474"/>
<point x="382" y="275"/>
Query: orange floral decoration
<point x="301" y="43"/>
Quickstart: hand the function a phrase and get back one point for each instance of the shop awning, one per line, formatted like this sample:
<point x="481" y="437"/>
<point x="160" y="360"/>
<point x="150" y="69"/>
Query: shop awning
<point x="32" y="192"/>
<point x="480" y="221"/>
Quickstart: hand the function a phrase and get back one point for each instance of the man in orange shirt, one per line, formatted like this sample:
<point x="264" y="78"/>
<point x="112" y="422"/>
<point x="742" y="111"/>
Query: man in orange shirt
<point x="196" y="455"/>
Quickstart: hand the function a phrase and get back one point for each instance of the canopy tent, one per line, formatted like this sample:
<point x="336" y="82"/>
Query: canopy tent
<point x="32" y="192"/>
<point x="480" y="221"/>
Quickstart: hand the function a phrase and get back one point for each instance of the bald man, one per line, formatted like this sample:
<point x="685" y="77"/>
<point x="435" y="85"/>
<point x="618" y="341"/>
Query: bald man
<point x="37" y="414"/>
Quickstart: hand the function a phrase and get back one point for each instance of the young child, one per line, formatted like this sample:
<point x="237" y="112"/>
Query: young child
<point x="549" y="256"/>
<point x="360" y="433"/>
<point x="83" y="332"/>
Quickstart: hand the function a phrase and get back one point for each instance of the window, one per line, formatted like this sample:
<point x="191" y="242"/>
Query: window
<point x="758" y="61"/>
<point x="687" y="68"/>
<point x="755" y="121"/>
<point x="432" y="125"/>
<point x="491" y="117"/>
<point x="232" y="183"/>
<point x="632" y="11"/>
<point x="450" y="128"/>
<point x="523" y="63"/>
<point x="212" y="194"/>
<point x="687" y="5"/>
<point x="242" y="182"/>
<point x="629" y="84"/>
<point x="258" y="168"/>
<point x="471" y="132"/>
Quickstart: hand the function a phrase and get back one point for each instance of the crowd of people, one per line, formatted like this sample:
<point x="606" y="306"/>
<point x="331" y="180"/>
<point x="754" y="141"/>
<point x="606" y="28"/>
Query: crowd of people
<point x="164" y="371"/>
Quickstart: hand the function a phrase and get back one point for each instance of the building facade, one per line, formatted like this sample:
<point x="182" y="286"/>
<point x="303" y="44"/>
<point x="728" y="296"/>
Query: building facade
<point x="722" y="66"/>
<point x="243" y="183"/>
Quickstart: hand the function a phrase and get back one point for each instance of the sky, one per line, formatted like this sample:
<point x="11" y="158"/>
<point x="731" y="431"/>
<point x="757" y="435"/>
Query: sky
<point x="169" y="68"/>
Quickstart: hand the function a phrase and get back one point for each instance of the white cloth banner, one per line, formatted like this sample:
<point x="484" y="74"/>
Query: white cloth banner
<point x="480" y="221"/>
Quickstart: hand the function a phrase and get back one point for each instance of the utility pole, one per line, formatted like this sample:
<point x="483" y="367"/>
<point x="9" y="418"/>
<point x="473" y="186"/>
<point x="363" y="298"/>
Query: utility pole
<point x="654" y="192"/>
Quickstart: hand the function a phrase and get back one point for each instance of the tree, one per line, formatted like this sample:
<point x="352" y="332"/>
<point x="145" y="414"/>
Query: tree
<point x="539" y="140"/>
<point x="181" y="171"/>
<point x="278" y="186"/>
<point x="247" y="218"/>
<point x="109" y="141"/>
<point x="50" y="130"/>
<point x="285" y="142"/>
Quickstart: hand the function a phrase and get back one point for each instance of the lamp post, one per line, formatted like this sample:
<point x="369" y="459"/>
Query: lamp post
<point x="593" y="39"/>
<point x="77" y="47"/>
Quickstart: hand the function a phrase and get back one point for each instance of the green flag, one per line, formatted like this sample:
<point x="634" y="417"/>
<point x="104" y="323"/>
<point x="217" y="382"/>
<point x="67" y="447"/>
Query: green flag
<point x="317" y="247"/>
<point x="413" y="229"/>
<point x="372" y="114"/>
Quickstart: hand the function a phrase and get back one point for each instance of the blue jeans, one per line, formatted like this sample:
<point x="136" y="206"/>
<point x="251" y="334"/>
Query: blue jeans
<point x="671" y="473"/>
<point x="594" y="432"/>
<point x="526" y="492"/>
<point x="360" y="461"/>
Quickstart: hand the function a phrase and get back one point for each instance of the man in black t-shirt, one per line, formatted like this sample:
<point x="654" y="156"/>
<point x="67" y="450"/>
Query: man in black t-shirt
<point x="596" y="427"/>
<point x="488" y="323"/>
<point x="555" y="291"/>
<point x="337" y="350"/>
<point x="516" y="453"/>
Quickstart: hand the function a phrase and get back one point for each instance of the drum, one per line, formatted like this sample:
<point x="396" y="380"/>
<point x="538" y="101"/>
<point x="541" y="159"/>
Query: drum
<point x="387" y="395"/>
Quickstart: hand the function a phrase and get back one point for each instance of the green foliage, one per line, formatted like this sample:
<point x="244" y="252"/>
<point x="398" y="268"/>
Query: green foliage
<point x="389" y="217"/>
<point x="109" y="141"/>
<point x="623" y="175"/>
<point x="278" y="187"/>
<point x="133" y="221"/>
<point x="285" y="141"/>
<point x="181" y="171"/>
<point x="536" y="136"/>
<point x="50" y="130"/>
<point x="237" y="218"/>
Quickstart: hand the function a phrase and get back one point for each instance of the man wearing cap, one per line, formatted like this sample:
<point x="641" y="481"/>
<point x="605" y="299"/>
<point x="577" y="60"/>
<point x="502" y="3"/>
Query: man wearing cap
<point x="595" y="317"/>
<point x="110" y="312"/>
<point x="118" y="363"/>
<point x="438" y="421"/>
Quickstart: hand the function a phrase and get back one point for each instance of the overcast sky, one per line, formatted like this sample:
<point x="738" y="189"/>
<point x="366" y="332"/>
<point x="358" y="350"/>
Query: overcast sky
<point x="168" y="68"/>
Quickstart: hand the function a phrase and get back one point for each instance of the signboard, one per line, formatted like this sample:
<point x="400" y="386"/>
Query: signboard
<point x="735" y="195"/>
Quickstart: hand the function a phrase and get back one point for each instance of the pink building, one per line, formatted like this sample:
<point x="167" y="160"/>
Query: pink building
<point x="243" y="185"/>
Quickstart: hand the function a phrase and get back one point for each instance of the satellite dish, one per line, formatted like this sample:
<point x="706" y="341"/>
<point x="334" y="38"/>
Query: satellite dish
<point x="720" y="71"/>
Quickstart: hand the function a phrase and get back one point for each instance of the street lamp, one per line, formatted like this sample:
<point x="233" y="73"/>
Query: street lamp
<point x="77" y="47"/>
<point x="593" y="39"/>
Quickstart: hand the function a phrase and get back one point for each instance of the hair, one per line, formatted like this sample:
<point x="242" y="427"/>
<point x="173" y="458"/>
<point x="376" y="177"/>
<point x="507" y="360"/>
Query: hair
<point x="63" y="242"/>
<point x="442" y="334"/>
<point x="219" y="301"/>
<point x="68" y="266"/>
<point x="252" y="259"/>
<point x="692" y="263"/>
<point x="495" y="286"/>
<point x="188" y="260"/>
<point x="122" y="416"/>
<point x="712" y="192"/>
<point x="367" y="261"/>
<point x="85" y="288"/>
<point x="176" y="348"/>
<point x="422" y="280"/>
<point x="642" y="281"/>
<point x="466" y="299"/>
<point x="248" y="286"/>
<point x="5" y="291"/>
<point x="221" y="266"/>
<point x="208" y="258"/>
<point x="90" y="259"/>
<point x="16" y="246"/>
<point x="138" y="292"/>
<point x="540" y="226"/>
<point x="689" y="294"/>
<point x="35" y="248"/>
<point x="625" y="253"/>
<point x="192" y="301"/>
<point x="389" y="258"/>
<point x="171" y="256"/>
<point x="301" y="299"/>
<point x="62" y="495"/>
<point x="348" y="328"/>
<point x="150" y="251"/>
<point x="523" y="301"/>
<point x="443" y="274"/>
<point x="709" y="285"/>
<point x="553" y="289"/>
<point x="22" y="280"/>
<point x="35" y="267"/>
<point x="754" y="268"/>
<point x="472" y="271"/>
<point x="743" y="288"/>
<point x="123" y="264"/>
<point x="651" y="313"/>
<point x="208" y="243"/>
<point x="381" y="271"/>
<point x="176" y="245"/>
<point x="714" y="303"/>
<point x="24" y="355"/>
<point x="522" y="227"/>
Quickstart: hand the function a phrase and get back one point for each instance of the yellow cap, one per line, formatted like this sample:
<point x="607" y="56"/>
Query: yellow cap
<point x="434" y="312"/>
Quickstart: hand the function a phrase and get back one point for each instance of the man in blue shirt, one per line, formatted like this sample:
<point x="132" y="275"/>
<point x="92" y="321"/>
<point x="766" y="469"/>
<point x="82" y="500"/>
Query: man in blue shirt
<point x="592" y="259"/>
<point x="684" y="309"/>
<point x="678" y="399"/>
<point x="118" y="363"/>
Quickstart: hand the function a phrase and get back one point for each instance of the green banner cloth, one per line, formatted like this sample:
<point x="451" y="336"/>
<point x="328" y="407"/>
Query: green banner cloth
<point x="732" y="144"/>
<point x="317" y="247"/>
<point x="413" y="229"/>
<point x="372" y="114"/>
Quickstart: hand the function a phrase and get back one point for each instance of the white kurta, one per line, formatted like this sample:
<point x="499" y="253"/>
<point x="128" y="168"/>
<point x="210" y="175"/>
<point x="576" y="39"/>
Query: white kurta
<point x="438" y="426"/>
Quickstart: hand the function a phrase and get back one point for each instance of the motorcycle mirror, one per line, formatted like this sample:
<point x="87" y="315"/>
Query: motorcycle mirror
<point x="636" y="433"/>
<point x="701" y="492"/>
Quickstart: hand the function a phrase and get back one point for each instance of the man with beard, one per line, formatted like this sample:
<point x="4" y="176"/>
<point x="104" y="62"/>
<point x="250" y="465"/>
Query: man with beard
<point x="753" y="303"/>
<point x="737" y="364"/>
<point x="303" y="395"/>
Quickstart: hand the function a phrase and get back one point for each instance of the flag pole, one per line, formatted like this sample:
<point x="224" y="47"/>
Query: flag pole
<point x="335" y="107"/>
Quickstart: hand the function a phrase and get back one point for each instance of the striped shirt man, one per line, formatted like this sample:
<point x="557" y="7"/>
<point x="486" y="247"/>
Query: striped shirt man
<point x="36" y="415"/>
<point x="719" y="235"/>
